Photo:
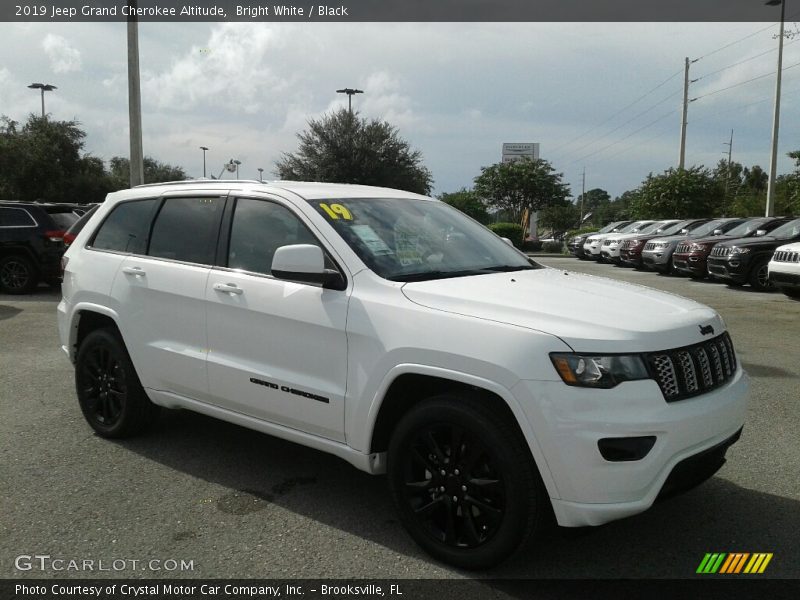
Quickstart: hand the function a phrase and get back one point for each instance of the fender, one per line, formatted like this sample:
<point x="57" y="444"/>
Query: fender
<point x="468" y="379"/>
<point x="75" y="321"/>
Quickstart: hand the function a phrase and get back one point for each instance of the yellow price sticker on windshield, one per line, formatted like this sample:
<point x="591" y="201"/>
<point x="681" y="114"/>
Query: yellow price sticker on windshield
<point x="336" y="211"/>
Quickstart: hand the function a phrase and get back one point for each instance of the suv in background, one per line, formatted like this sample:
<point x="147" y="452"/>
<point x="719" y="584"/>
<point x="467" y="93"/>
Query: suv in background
<point x="613" y="243"/>
<point x="784" y="269"/>
<point x="691" y="255"/>
<point x="630" y="251"/>
<point x="657" y="253"/>
<point x="575" y="245"/>
<point x="393" y="331"/>
<point x="594" y="242"/>
<point x="747" y="260"/>
<point x="31" y="244"/>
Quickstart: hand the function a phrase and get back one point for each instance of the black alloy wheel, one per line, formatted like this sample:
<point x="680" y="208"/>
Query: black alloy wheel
<point x="464" y="483"/>
<point x="111" y="398"/>
<point x="759" y="276"/>
<point x="17" y="275"/>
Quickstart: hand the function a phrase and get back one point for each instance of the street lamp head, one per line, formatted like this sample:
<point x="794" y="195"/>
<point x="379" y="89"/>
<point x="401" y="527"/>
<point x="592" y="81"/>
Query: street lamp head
<point x="773" y="2"/>
<point x="36" y="86"/>
<point x="237" y="162"/>
<point x="203" y="148"/>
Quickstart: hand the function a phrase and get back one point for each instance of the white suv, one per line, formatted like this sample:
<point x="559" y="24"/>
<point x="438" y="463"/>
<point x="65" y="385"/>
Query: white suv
<point x="391" y="330"/>
<point x="784" y="269"/>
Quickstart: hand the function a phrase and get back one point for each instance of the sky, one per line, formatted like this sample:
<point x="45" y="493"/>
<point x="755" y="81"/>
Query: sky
<point x="601" y="96"/>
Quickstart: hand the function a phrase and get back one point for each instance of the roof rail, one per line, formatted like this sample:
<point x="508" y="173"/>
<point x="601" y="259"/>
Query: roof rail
<point x="196" y="181"/>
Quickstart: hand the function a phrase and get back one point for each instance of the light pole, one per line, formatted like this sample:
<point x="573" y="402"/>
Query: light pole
<point x="773" y="159"/>
<point x="135" y="101"/>
<point x="260" y="173"/>
<point x="44" y="87"/>
<point x="350" y="93"/>
<point x="204" y="149"/>
<point x="237" y="163"/>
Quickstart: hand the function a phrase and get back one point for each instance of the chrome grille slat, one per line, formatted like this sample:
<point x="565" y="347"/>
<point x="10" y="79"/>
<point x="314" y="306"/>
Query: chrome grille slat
<point x="683" y="248"/>
<point x="692" y="370"/>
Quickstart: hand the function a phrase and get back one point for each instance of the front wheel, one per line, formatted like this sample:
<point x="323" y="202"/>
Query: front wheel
<point x="759" y="276"/>
<point x="464" y="482"/>
<point x="111" y="398"/>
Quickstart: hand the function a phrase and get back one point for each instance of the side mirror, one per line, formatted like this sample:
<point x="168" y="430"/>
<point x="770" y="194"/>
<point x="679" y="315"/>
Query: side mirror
<point x="683" y="231"/>
<point x="508" y="241"/>
<point x="760" y="232"/>
<point x="305" y="263"/>
<point x="718" y="232"/>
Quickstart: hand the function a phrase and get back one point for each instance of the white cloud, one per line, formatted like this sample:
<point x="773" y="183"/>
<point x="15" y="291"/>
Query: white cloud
<point x="64" y="58"/>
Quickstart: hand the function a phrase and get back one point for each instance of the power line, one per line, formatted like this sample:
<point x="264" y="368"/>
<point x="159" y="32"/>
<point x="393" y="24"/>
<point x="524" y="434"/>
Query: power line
<point x="619" y="112"/>
<point x="741" y="62"/>
<point x="735" y="85"/>
<point x="733" y="43"/>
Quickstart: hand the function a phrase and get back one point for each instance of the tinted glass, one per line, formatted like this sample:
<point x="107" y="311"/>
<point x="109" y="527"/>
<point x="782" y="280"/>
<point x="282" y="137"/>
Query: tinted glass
<point x="413" y="240"/>
<point x="125" y="229"/>
<point x="746" y="228"/>
<point x="258" y="229"/>
<point x="634" y="227"/>
<point x="670" y="229"/>
<point x="16" y="217"/>
<point x="787" y="231"/>
<point x="78" y="225"/>
<point x="64" y="220"/>
<point x="185" y="230"/>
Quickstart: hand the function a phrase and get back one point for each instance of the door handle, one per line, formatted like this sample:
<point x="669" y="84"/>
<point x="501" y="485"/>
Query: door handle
<point x="228" y="288"/>
<point x="138" y="271"/>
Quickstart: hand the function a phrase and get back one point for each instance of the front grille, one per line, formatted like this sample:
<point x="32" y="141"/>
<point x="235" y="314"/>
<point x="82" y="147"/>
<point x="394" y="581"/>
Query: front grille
<point x="606" y="242"/>
<point x="786" y="256"/>
<point x="649" y="246"/>
<point x="721" y="251"/>
<point x="625" y="245"/>
<point x="683" y="248"/>
<point x="692" y="370"/>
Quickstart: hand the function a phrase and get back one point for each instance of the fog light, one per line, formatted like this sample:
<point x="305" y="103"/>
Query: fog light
<point x="626" y="449"/>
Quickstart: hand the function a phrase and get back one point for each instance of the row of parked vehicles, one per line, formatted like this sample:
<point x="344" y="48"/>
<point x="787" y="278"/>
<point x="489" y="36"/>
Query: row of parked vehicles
<point x="763" y="252"/>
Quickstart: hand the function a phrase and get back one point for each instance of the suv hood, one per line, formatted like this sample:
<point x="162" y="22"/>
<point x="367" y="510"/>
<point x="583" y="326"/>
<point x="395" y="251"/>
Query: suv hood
<point x="591" y="314"/>
<point x="765" y="240"/>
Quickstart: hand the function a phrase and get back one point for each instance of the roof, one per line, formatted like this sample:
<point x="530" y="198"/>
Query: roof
<point x="306" y="189"/>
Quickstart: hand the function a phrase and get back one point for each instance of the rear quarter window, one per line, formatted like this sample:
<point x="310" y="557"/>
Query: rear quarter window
<point x="16" y="217"/>
<point x="125" y="229"/>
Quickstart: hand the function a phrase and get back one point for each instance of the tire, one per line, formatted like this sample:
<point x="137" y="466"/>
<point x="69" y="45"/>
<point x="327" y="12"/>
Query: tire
<point x="463" y="437"/>
<point x="18" y="275"/>
<point x="759" y="276"/>
<point x="110" y="395"/>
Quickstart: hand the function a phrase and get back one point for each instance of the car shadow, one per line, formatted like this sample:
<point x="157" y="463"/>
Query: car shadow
<point x="668" y="541"/>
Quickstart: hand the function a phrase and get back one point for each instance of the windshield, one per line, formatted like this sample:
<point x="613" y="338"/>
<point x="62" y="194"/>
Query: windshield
<point x="652" y="228"/>
<point x="608" y="228"/>
<point x="634" y="227"/>
<point x="416" y="240"/>
<point x="745" y="228"/>
<point x="787" y="230"/>
<point x="667" y="228"/>
<point x="705" y="228"/>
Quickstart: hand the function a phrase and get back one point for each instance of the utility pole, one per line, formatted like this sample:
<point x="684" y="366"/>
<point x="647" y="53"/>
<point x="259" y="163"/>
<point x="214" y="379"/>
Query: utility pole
<point x="728" y="178"/>
<point x="350" y="93"/>
<point x="43" y="87"/>
<point x="583" y="193"/>
<point x="204" y="149"/>
<point x="684" y="118"/>
<point x="773" y="160"/>
<point x="135" y="102"/>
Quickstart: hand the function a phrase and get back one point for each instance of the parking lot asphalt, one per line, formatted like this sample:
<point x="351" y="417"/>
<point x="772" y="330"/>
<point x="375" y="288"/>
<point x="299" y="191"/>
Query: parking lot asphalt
<point x="241" y="504"/>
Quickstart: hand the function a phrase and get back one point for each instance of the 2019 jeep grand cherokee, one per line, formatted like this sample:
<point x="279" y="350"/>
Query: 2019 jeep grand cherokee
<point x="393" y="331"/>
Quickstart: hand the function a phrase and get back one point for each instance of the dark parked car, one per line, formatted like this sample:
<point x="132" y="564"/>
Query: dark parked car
<point x="630" y="252"/>
<point x="31" y="244"/>
<point x="691" y="255"/>
<point x="78" y="225"/>
<point x="746" y="260"/>
<point x="657" y="253"/>
<point x="575" y="245"/>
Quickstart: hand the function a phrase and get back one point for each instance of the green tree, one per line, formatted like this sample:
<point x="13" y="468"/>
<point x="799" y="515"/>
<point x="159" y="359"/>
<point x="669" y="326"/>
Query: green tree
<point x="154" y="172"/>
<point x="516" y="186"/>
<point x="684" y="193"/>
<point x="341" y="147"/>
<point x="560" y="217"/>
<point x="469" y="203"/>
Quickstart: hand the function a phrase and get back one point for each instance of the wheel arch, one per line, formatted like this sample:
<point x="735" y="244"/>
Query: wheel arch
<point x="408" y="385"/>
<point x="87" y="318"/>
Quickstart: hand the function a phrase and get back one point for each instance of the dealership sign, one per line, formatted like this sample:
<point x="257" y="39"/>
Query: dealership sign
<point x="513" y="152"/>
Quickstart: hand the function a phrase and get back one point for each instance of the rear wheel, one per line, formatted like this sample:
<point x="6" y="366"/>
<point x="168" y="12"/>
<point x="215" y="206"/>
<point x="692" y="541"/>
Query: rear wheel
<point x="759" y="276"/>
<point x="111" y="397"/>
<point x="17" y="275"/>
<point x="464" y="482"/>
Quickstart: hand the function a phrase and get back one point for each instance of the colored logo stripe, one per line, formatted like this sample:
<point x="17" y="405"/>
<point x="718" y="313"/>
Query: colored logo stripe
<point x="734" y="562"/>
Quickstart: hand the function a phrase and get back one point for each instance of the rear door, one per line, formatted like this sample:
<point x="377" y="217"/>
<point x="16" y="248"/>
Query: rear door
<point x="161" y="294"/>
<point x="277" y="349"/>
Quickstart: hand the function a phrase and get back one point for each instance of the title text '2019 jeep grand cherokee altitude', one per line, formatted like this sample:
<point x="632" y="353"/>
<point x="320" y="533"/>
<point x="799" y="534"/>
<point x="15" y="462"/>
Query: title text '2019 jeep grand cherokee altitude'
<point x="352" y="320"/>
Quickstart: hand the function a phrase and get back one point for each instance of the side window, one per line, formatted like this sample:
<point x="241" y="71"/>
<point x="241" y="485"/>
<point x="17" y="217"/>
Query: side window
<point x="16" y="217"/>
<point x="258" y="229"/>
<point x="125" y="229"/>
<point x="186" y="230"/>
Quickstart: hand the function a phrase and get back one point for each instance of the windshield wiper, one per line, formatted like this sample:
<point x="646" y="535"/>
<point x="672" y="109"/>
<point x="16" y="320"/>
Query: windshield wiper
<point x="427" y="275"/>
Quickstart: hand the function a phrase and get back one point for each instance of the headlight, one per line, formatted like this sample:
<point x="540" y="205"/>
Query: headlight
<point x="700" y="247"/>
<point x="740" y="250"/>
<point x="587" y="370"/>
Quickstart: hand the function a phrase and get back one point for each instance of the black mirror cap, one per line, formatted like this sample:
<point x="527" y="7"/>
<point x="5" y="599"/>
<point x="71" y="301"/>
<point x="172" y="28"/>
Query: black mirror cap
<point x="330" y="279"/>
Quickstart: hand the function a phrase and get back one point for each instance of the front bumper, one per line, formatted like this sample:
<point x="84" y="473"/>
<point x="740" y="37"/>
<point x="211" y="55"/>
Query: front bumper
<point x="731" y="269"/>
<point x="631" y="257"/>
<point x="691" y="264"/>
<point x="568" y="423"/>
<point x="783" y="279"/>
